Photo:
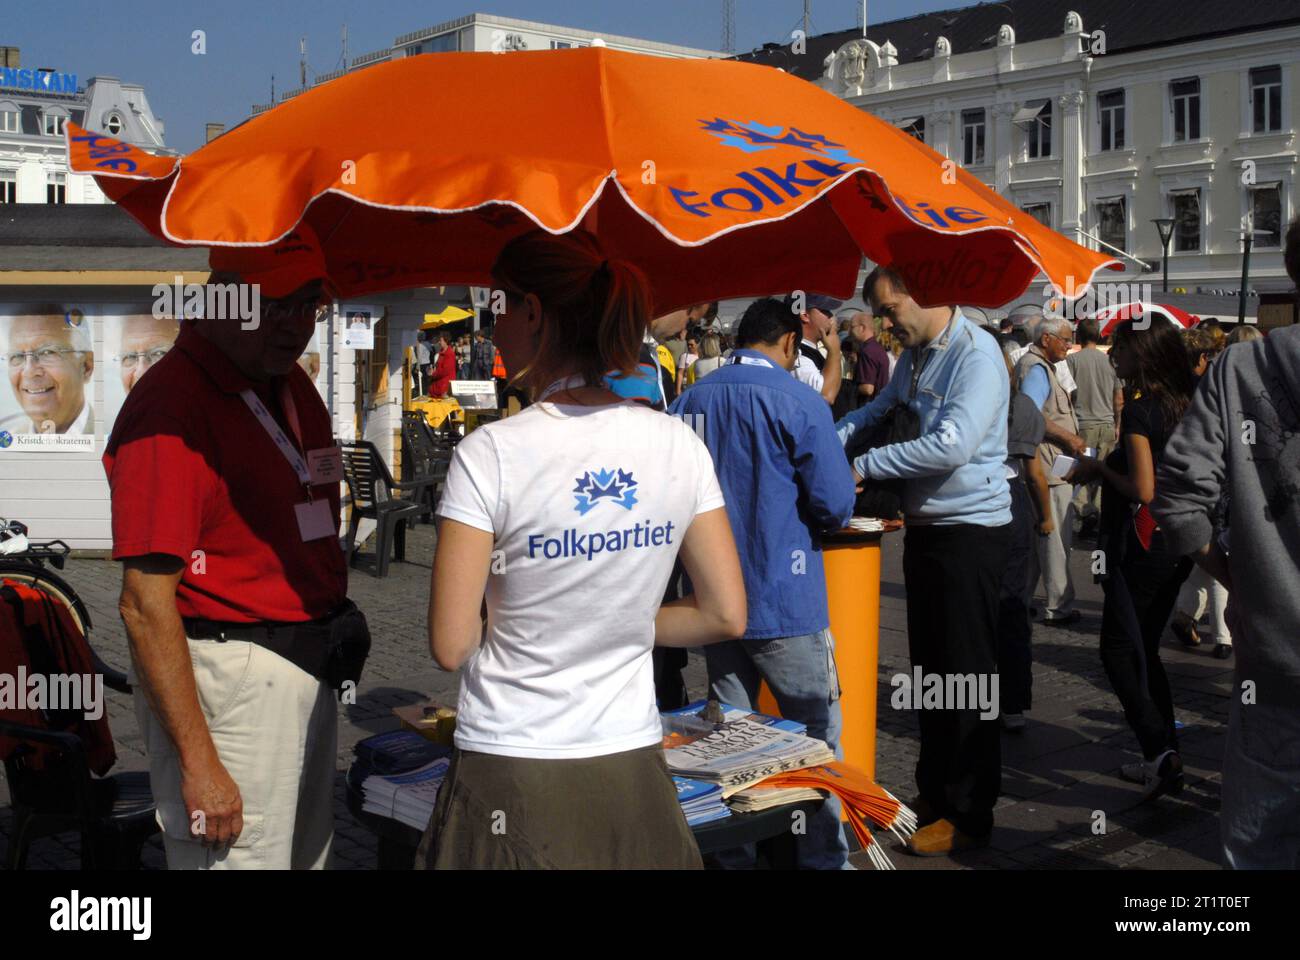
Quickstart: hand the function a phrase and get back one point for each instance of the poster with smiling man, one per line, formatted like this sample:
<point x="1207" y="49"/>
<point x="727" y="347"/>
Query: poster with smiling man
<point x="48" y="354"/>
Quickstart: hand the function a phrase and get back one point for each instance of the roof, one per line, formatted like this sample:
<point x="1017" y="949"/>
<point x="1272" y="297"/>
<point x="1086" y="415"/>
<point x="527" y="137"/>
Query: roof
<point x="1129" y="26"/>
<point x="46" y="236"/>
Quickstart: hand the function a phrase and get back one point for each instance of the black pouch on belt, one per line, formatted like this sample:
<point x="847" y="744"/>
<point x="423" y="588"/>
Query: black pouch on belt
<point x="332" y="649"/>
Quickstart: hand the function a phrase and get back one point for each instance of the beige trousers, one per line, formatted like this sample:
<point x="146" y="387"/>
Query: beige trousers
<point x="275" y="727"/>
<point x="1051" y="557"/>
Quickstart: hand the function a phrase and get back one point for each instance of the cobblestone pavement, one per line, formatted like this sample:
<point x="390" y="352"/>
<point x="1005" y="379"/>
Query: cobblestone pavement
<point x="1057" y="775"/>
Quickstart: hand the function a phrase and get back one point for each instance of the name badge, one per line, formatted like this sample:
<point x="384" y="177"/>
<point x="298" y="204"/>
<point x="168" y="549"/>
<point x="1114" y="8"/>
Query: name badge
<point x="325" y="465"/>
<point x="315" y="520"/>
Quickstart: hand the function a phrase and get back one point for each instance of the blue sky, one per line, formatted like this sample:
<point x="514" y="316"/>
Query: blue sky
<point x="148" y="41"/>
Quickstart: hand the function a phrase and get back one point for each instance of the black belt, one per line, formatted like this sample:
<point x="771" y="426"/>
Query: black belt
<point x="258" y="632"/>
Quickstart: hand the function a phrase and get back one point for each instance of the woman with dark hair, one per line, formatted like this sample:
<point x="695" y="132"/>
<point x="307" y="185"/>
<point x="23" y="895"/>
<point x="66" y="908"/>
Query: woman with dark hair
<point x="563" y="523"/>
<point x="1141" y="578"/>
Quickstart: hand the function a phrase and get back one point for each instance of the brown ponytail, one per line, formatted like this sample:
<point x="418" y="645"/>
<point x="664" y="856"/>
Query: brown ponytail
<point x="595" y="310"/>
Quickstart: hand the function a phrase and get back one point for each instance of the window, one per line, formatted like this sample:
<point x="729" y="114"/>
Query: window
<point x="1042" y="212"/>
<point x="1266" y="206"/>
<point x="1110" y="110"/>
<point x="56" y="188"/>
<point x="1187" y="109"/>
<point x="1266" y="99"/>
<point x="113" y="125"/>
<point x="53" y="123"/>
<point x="10" y="120"/>
<point x="561" y="45"/>
<point x="913" y="127"/>
<point x="972" y="137"/>
<point x="8" y="186"/>
<point x="1187" y="220"/>
<point x="1112" y="222"/>
<point x="1035" y="121"/>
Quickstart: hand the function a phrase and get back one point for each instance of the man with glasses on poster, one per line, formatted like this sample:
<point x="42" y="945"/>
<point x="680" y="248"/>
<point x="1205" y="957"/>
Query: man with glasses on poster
<point x="145" y="340"/>
<point x="50" y="362"/>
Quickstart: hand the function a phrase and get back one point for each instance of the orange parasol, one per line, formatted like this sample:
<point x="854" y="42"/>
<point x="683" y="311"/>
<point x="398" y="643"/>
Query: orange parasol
<point x="718" y="178"/>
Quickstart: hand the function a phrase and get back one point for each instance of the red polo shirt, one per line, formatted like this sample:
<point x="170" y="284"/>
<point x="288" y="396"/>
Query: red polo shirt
<point x="191" y="468"/>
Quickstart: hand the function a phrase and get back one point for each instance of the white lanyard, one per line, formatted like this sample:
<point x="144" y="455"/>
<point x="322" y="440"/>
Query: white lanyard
<point x="276" y="434"/>
<point x="561" y="385"/>
<point x="751" y="361"/>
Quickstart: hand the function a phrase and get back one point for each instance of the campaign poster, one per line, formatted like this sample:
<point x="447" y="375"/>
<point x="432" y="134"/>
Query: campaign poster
<point x="359" y="328"/>
<point x="48" y="352"/>
<point x="133" y="344"/>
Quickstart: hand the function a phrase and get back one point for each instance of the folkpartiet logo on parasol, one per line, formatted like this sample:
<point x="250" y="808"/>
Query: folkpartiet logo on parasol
<point x="594" y="486"/>
<point x="751" y="137"/>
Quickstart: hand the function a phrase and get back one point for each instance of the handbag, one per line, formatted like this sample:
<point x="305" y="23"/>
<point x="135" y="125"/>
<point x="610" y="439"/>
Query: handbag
<point x="883" y="499"/>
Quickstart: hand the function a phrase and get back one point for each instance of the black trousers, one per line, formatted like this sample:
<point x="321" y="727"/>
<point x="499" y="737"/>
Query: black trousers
<point x="1140" y="595"/>
<point x="953" y="575"/>
<point x="1015" y="631"/>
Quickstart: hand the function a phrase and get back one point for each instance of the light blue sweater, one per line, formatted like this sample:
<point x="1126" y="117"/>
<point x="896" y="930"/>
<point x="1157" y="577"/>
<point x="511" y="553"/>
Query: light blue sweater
<point x="955" y="468"/>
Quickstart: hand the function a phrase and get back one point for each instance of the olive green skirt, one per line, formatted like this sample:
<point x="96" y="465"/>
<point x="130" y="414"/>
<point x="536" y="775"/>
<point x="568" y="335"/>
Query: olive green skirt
<point x="514" y="813"/>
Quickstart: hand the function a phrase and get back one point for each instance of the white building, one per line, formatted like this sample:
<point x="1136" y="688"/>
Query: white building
<point x="1098" y="121"/>
<point x="35" y="103"/>
<point x="480" y="32"/>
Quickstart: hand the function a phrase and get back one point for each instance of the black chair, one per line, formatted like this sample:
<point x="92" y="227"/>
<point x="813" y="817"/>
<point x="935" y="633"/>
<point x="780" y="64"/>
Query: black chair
<point x="114" y="814"/>
<point x="426" y="455"/>
<point x="374" y="497"/>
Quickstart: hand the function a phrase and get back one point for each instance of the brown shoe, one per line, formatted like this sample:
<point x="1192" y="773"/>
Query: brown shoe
<point x="941" y="839"/>
<point x="1185" y="630"/>
<point x="925" y="813"/>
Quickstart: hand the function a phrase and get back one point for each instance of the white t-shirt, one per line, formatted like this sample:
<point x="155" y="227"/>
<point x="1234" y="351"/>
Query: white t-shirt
<point x="588" y="507"/>
<point x="805" y="371"/>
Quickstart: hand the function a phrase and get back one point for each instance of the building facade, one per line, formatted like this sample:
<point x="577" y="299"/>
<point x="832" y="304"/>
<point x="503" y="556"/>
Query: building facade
<point x="36" y="103"/>
<point x="1099" y="122"/>
<point x="480" y="32"/>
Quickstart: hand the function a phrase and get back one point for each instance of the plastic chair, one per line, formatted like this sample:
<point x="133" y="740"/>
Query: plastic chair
<point x="426" y="456"/>
<point x="372" y="487"/>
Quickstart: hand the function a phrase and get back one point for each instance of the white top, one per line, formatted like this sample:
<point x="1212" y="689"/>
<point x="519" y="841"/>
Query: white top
<point x="805" y="371"/>
<point x="587" y="507"/>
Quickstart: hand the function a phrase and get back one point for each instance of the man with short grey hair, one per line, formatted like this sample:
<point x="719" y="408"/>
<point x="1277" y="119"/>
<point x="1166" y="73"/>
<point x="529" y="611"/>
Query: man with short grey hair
<point x="1036" y="373"/>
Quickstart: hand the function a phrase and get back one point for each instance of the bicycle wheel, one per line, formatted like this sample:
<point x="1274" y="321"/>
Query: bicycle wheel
<point x="52" y="584"/>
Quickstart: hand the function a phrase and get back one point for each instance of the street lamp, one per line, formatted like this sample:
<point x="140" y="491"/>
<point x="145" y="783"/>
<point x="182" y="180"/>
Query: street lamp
<point x="1247" y="238"/>
<point x="1165" y="226"/>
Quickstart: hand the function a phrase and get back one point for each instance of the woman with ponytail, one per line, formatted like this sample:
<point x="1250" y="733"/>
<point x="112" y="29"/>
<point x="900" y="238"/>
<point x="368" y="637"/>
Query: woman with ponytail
<point x="562" y="524"/>
<point x="1141" y="577"/>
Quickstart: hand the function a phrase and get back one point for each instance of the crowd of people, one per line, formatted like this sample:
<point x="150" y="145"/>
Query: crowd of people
<point x="668" y="487"/>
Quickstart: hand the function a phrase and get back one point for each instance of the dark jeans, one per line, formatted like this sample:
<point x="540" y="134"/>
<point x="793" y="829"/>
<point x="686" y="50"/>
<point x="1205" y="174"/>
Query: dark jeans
<point x="1140" y="595"/>
<point x="953" y="574"/>
<point x="1015" y="656"/>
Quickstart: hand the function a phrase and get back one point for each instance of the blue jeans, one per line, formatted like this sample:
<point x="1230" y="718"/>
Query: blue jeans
<point x="1260" y="820"/>
<point x="800" y="672"/>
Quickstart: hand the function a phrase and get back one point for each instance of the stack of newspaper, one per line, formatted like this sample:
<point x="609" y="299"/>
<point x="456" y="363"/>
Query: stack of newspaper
<point x="701" y="801"/>
<point x="736" y="753"/>
<point x="406" y="797"/>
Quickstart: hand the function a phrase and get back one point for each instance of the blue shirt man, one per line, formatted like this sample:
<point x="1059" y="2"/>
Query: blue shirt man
<point x="786" y="481"/>
<point x="957" y="506"/>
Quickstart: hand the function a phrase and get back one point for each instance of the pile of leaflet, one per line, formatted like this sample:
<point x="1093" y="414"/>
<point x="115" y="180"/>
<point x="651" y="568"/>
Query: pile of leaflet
<point x="736" y="749"/>
<point x="701" y="801"/>
<point x="403" y="771"/>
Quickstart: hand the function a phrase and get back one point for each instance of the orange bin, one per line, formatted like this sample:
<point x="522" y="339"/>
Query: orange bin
<point x="852" y="561"/>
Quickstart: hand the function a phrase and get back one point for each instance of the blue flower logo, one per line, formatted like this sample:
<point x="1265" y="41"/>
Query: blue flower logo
<point x="596" y="485"/>
<point x="753" y="137"/>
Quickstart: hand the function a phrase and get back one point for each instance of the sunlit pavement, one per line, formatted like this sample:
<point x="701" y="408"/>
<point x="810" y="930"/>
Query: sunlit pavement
<point x="1060" y="776"/>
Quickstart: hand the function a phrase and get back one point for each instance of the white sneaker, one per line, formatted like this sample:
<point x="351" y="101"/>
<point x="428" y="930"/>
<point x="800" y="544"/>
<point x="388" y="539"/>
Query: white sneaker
<point x="1148" y="773"/>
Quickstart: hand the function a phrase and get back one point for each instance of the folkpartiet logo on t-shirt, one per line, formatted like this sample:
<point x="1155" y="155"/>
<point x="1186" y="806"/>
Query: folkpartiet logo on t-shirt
<point x="594" y="486"/>
<point x="597" y="485"/>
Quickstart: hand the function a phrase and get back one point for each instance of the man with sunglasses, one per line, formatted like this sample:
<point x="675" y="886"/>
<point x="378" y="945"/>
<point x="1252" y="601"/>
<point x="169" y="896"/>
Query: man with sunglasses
<point x="50" y="363"/>
<point x="225" y="511"/>
<point x="1037" y="374"/>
